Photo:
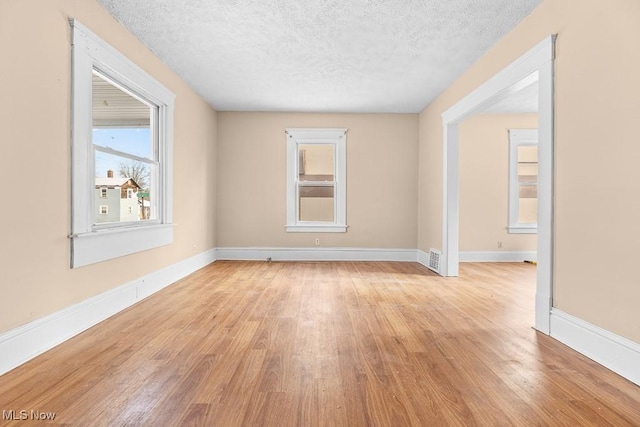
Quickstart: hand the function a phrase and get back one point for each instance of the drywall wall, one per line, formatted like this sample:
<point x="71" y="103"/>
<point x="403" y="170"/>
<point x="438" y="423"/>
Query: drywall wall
<point x="35" y="83"/>
<point x="596" y="175"/>
<point x="484" y="183"/>
<point x="381" y="180"/>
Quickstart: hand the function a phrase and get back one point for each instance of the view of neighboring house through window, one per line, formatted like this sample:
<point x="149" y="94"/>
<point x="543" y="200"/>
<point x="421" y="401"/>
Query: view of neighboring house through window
<point x="124" y="152"/>
<point x="523" y="180"/>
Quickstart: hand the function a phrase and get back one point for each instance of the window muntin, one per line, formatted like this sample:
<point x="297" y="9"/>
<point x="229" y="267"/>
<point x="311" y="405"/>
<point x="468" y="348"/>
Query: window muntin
<point x="523" y="180"/>
<point x="96" y="131"/>
<point x="316" y="184"/>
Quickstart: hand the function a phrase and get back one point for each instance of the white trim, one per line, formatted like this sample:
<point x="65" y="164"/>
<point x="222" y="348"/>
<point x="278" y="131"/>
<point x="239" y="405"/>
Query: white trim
<point x="318" y="228"/>
<point x="617" y="353"/>
<point x="94" y="247"/>
<point x="522" y="229"/>
<point x="511" y="79"/>
<point x="337" y="137"/>
<point x="535" y="65"/>
<point x="25" y="342"/>
<point x="317" y="254"/>
<point x="498" y="256"/>
<point x="91" y="53"/>
<point x="422" y="257"/>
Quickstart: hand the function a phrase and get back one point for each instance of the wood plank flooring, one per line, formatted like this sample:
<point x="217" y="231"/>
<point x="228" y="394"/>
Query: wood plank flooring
<point x="324" y="344"/>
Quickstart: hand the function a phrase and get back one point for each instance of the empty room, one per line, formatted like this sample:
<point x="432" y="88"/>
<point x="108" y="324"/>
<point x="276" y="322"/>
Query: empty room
<point x="300" y="213"/>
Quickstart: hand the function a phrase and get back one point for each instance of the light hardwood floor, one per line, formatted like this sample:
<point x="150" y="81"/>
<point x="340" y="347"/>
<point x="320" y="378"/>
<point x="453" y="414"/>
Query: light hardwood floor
<point x="335" y="344"/>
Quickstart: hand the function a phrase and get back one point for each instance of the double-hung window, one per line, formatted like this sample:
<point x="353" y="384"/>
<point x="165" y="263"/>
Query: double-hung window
<point x="523" y="181"/>
<point x="316" y="180"/>
<point x="121" y="154"/>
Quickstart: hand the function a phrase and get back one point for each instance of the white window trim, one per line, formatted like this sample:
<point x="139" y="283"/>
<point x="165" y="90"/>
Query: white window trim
<point x="296" y="136"/>
<point x="106" y="210"/>
<point x="518" y="137"/>
<point x="91" y="244"/>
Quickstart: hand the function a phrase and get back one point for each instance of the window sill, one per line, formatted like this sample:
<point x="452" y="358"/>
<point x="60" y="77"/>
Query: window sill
<point x="523" y="229"/>
<point x="90" y="248"/>
<point x="315" y="228"/>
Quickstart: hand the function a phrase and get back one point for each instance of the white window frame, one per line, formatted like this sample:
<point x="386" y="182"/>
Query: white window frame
<point x="106" y="210"/>
<point x="517" y="138"/>
<point x="103" y="192"/>
<point x="91" y="244"/>
<point x="338" y="137"/>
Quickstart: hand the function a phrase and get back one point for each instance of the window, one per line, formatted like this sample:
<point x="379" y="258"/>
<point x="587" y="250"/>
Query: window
<point x="122" y="139"/>
<point x="523" y="181"/>
<point x="104" y="210"/>
<point x="316" y="180"/>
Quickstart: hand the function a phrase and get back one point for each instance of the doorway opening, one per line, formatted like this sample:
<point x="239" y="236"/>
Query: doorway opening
<point x="534" y="67"/>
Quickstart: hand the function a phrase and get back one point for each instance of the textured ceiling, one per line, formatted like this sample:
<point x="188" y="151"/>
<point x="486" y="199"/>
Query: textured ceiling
<point x="523" y="101"/>
<point x="319" y="56"/>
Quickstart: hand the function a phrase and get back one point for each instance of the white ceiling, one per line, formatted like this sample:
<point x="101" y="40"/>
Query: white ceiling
<point x="523" y="101"/>
<point x="319" y="56"/>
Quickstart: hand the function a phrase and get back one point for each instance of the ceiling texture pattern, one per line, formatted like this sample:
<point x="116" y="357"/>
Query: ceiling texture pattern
<point x="392" y="56"/>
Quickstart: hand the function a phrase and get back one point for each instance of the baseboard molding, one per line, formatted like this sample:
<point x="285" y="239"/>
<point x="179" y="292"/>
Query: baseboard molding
<point x="25" y="342"/>
<point x="497" y="256"/>
<point x="423" y="258"/>
<point x="317" y="254"/>
<point x="617" y="353"/>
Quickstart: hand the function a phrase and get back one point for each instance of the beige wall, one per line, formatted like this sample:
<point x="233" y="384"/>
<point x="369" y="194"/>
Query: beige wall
<point x="597" y="178"/>
<point x="484" y="183"/>
<point x="35" y="73"/>
<point x="381" y="180"/>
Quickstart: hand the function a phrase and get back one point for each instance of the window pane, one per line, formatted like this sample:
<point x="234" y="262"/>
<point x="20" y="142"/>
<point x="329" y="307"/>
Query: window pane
<point x="136" y="141"/>
<point x="527" y="211"/>
<point x="528" y="191"/>
<point x="126" y="187"/>
<point x="527" y="154"/>
<point x="527" y="172"/>
<point x="121" y="121"/>
<point x="527" y="180"/>
<point x="316" y="203"/>
<point x="316" y="162"/>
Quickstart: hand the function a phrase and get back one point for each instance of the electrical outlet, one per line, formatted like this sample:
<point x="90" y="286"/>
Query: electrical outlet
<point x="499" y="244"/>
<point x="317" y="241"/>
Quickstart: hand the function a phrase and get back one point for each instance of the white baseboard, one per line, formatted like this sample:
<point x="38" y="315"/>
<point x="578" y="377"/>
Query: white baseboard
<point x="497" y="256"/>
<point x="619" y="354"/>
<point x="423" y="258"/>
<point x="317" y="254"/>
<point x="25" y="342"/>
<point x="21" y="344"/>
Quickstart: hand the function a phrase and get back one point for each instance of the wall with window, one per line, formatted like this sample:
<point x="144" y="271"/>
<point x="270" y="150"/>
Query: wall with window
<point x="35" y="82"/>
<point x="597" y="178"/>
<point x="381" y="153"/>
<point x="484" y="183"/>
